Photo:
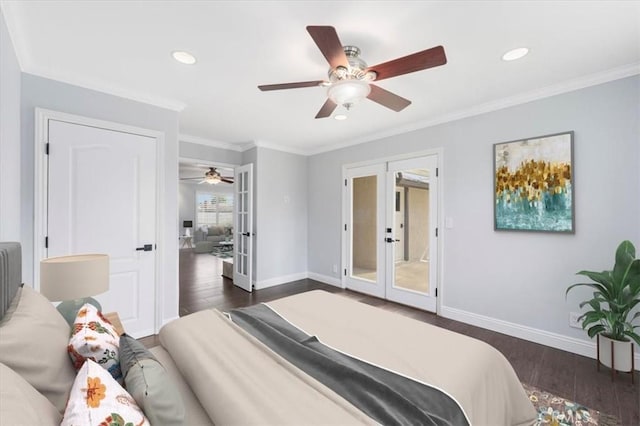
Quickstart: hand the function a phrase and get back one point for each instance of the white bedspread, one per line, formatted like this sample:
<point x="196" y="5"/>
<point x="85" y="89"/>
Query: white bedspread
<point x="240" y="381"/>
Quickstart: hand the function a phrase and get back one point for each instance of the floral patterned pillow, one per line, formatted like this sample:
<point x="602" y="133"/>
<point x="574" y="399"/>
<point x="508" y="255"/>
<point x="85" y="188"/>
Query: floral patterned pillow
<point x="97" y="399"/>
<point x="93" y="337"/>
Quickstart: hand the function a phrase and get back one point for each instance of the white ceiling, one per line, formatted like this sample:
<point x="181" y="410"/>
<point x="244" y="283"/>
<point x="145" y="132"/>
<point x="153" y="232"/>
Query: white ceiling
<point x="124" y="48"/>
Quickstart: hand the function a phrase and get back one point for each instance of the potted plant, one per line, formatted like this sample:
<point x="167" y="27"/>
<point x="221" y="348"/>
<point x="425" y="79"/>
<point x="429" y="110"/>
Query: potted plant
<point x="609" y="318"/>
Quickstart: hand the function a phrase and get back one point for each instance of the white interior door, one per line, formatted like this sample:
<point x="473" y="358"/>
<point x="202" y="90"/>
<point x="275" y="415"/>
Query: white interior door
<point x="411" y="279"/>
<point x="243" y="227"/>
<point x="391" y="229"/>
<point x="102" y="199"/>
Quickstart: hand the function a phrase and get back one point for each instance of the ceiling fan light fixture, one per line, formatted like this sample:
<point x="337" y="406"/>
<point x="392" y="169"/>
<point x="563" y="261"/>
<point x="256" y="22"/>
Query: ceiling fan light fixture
<point x="184" y="57"/>
<point x="212" y="177"/>
<point x="348" y="91"/>
<point x="514" y="54"/>
<point x="340" y="117"/>
<point x="370" y="76"/>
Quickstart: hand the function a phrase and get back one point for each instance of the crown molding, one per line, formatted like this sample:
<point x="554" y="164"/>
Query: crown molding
<point x="277" y="147"/>
<point x="110" y="89"/>
<point x="522" y="98"/>
<point x="12" y="15"/>
<point x="210" y="142"/>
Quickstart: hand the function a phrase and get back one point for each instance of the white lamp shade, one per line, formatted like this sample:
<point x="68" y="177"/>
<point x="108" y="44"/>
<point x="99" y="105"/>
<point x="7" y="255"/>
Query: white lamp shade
<point x="74" y="277"/>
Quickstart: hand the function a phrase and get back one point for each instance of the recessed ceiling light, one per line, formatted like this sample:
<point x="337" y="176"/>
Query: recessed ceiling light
<point x="184" y="57"/>
<point x="514" y="54"/>
<point x="340" y="117"/>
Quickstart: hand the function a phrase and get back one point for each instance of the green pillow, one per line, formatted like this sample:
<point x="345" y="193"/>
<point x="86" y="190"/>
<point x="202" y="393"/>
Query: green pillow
<point x="149" y="384"/>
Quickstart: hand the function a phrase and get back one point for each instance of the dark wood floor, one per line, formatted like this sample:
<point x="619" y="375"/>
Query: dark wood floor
<point x="565" y="374"/>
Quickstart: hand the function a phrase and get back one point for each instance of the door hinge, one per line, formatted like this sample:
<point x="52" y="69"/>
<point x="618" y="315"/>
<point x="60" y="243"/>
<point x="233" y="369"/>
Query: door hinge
<point x="46" y="148"/>
<point x="436" y="232"/>
<point x="345" y="226"/>
<point x="436" y="172"/>
<point x="345" y="182"/>
<point x="345" y="272"/>
<point x="46" y="242"/>
<point x="436" y="291"/>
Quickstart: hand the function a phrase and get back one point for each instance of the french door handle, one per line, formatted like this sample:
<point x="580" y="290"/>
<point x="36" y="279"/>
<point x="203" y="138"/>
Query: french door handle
<point x="246" y="234"/>
<point x="391" y="240"/>
<point x="146" y="247"/>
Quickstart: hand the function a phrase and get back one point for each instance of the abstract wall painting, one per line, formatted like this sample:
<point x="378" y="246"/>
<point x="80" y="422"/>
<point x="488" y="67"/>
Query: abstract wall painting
<point x="533" y="184"/>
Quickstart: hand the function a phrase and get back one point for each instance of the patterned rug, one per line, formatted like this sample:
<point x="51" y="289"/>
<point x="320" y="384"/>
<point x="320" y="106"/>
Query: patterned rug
<point x="556" y="411"/>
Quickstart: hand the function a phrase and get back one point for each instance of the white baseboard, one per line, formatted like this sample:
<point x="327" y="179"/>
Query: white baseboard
<point x="547" y="338"/>
<point x="271" y="282"/>
<point x="326" y="279"/>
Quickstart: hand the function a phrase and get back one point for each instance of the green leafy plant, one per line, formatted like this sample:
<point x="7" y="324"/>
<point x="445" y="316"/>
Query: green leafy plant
<point x="617" y="293"/>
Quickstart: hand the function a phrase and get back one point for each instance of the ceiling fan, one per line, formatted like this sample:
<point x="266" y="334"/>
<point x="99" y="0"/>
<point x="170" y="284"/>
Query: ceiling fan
<point x="212" y="177"/>
<point x="350" y="78"/>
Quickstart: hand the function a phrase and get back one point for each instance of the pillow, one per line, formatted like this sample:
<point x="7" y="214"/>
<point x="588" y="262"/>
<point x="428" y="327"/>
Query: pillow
<point x="149" y="384"/>
<point x="97" y="399"/>
<point x="33" y="341"/>
<point x="93" y="337"/>
<point x="22" y="404"/>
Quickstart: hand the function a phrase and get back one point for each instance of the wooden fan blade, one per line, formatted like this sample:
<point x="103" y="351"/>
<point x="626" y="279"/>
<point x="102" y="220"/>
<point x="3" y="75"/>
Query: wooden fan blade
<point x="326" y="109"/>
<point x="267" y="87"/>
<point x="416" y="62"/>
<point x="227" y="180"/>
<point x="388" y="99"/>
<point x="193" y="178"/>
<point x="329" y="44"/>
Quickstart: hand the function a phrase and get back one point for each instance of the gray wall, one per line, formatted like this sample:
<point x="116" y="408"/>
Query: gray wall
<point x="511" y="276"/>
<point x="62" y="97"/>
<point x="282" y="216"/>
<point x="10" y="184"/>
<point x="209" y="153"/>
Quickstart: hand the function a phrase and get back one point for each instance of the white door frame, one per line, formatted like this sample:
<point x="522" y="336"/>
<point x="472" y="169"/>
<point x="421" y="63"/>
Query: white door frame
<point x="439" y="152"/>
<point x="40" y="208"/>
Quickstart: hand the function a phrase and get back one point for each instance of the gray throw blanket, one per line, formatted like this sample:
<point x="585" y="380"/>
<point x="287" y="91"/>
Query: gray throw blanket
<point x="386" y="397"/>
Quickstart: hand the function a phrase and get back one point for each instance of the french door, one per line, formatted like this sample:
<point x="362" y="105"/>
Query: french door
<point x="391" y="230"/>
<point x="243" y="228"/>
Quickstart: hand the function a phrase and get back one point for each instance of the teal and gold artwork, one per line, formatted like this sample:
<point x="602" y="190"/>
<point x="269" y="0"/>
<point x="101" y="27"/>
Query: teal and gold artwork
<point x="533" y="184"/>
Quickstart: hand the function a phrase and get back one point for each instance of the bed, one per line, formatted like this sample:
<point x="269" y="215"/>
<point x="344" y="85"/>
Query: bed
<point x="226" y="372"/>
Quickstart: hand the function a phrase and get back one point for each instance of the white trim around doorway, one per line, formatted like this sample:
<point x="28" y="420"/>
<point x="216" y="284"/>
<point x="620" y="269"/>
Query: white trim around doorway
<point x="41" y="133"/>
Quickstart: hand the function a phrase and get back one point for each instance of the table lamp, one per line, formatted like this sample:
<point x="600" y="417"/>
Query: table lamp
<point x="73" y="280"/>
<point x="187" y="225"/>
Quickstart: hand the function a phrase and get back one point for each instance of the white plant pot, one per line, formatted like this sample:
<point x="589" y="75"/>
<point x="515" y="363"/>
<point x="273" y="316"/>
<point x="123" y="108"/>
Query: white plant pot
<point x="622" y="354"/>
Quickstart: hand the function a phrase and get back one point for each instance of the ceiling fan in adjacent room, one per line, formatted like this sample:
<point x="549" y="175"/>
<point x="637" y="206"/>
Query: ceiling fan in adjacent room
<point x="212" y="177"/>
<point x="350" y="78"/>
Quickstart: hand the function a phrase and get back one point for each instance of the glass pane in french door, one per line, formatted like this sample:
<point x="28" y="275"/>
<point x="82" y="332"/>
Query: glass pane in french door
<point x="411" y="223"/>
<point x="364" y="222"/>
